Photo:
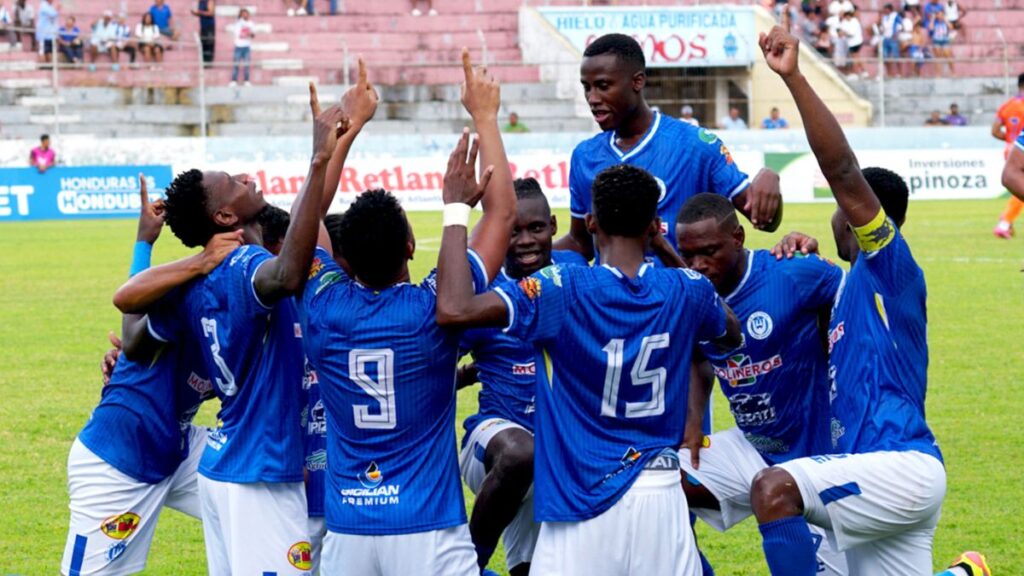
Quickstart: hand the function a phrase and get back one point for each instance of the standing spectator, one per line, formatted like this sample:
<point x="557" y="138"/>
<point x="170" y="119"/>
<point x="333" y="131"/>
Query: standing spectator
<point x="890" y="23"/>
<point x="774" y="121"/>
<point x="430" y="8"/>
<point x="104" y="41"/>
<point x="243" y="45"/>
<point x="935" y="119"/>
<point x="918" y="49"/>
<point x="164" y="19"/>
<point x="46" y="29"/>
<point x="954" y="118"/>
<point x="840" y="49"/>
<point x="941" y="34"/>
<point x="687" y="116"/>
<point x="955" y="16"/>
<point x="733" y="121"/>
<point x="125" y="40"/>
<point x="147" y="35"/>
<point x="207" y="27"/>
<point x="839" y="7"/>
<point x="810" y="25"/>
<point x="931" y="10"/>
<point x="912" y="5"/>
<point x="24" y="18"/>
<point x="824" y="43"/>
<point x="69" y="41"/>
<point x="7" y="25"/>
<point x="851" y="28"/>
<point x="514" y="125"/>
<point x="43" y="157"/>
<point x="906" y="36"/>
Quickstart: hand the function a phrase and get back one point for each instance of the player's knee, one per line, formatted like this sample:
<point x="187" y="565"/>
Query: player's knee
<point x="774" y="494"/>
<point x="514" y="462"/>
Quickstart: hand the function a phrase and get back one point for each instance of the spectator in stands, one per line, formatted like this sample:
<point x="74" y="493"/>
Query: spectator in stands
<point x="243" y="45"/>
<point x="918" y="49"/>
<point x="125" y="40"/>
<point x="147" y="35"/>
<point x="955" y="16"/>
<point x="840" y="48"/>
<point x="46" y="29"/>
<point x="25" y="19"/>
<point x="430" y="7"/>
<point x="774" y="121"/>
<point x="104" y="40"/>
<point x="733" y="121"/>
<point x="839" y="7"/>
<point x="687" y="115"/>
<point x="853" y="31"/>
<point x="69" y="41"/>
<point x="205" y="10"/>
<point x="295" y="7"/>
<point x="824" y="43"/>
<point x="941" y="35"/>
<point x="810" y="25"/>
<point x="514" y="125"/>
<point x="931" y="9"/>
<point x="7" y="25"/>
<point x="913" y="6"/>
<point x="43" y="157"/>
<point x="954" y="118"/>
<point x="906" y="37"/>
<point x="935" y="119"/>
<point x="890" y="23"/>
<point x="164" y="19"/>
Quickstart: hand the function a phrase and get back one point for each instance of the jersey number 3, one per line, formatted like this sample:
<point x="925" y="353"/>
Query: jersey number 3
<point x="226" y="380"/>
<point x="641" y="375"/>
<point x="382" y="389"/>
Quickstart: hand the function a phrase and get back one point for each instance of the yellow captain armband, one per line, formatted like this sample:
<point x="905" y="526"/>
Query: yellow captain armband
<point x="876" y="234"/>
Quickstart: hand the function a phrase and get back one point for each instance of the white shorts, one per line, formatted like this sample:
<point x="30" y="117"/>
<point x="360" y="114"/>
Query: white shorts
<point x="317" y="530"/>
<point x="727" y="469"/>
<point x="520" y="535"/>
<point x="448" y="551"/>
<point x="882" y="507"/>
<point x="113" y="516"/>
<point x="255" y="528"/>
<point x="646" y="532"/>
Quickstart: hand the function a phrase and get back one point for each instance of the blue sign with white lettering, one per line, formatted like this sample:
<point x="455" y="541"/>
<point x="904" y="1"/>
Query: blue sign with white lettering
<point x="77" y="192"/>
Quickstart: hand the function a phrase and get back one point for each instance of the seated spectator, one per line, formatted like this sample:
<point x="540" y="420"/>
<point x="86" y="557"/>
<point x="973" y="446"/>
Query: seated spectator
<point x="43" y="157"/>
<point x="935" y="119"/>
<point x="514" y="125"/>
<point x="774" y="121"/>
<point x="104" y="40"/>
<point x="954" y="118"/>
<point x="125" y="39"/>
<point x="163" y="19"/>
<point x="295" y="7"/>
<point x="687" y="116"/>
<point x="243" y="45"/>
<point x="46" y="30"/>
<point x="69" y="41"/>
<point x="824" y="43"/>
<point x="430" y="7"/>
<point x="941" y="36"/>
<point x="25" y="19"/>
<point x="147" y="36"/>
<point x="733" y="121"/>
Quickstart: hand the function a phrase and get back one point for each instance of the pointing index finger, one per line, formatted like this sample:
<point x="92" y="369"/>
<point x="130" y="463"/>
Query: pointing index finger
<point x="467" y="65"/>
<point x="143" y="192"/>
<point x="362" y="72"/>
<point x="314" y="100"/>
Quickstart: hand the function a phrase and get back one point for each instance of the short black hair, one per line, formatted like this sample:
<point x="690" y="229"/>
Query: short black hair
<point x="703" y="206"/>
<point x="44" y="137"/>
<point x="274" y="223"/>
<point x="332" y="222"/>
<point x="186" y="210"/>
<point x="891" y="191"/>
<point x="1020" y="80"/>
<point x="375" y="232"/>
<point x="625" y="47"/>
<point x="625" y="200"/>
<point x="527" y="188"/>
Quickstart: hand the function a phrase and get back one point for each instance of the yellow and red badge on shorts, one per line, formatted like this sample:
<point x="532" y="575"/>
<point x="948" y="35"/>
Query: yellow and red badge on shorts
<point x="120" y="526"/>
<point x="300" y="555"/>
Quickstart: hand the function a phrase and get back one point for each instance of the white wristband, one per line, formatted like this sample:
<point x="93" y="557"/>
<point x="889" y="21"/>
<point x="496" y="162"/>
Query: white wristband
<point x="456" y="214"/>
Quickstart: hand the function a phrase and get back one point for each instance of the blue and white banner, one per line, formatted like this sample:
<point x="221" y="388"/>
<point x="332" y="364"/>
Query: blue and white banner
<point x="670" y="37"/>
<point x="77" y="192"/>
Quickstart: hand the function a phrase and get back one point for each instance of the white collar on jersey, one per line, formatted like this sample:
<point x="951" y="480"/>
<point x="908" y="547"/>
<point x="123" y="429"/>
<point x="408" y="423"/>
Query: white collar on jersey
<point x="623" y="156"/>
<point x="618" y="273"/>
<point x="746" y="275"/>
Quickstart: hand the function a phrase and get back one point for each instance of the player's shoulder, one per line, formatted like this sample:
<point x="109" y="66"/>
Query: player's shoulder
<point x="568" y="257"/>
<point x="591" y="145"/>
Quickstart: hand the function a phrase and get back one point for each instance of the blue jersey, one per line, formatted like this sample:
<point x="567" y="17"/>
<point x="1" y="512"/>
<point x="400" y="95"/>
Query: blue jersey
<point x="314" y="425"/>
<point x="776" y="382"/>
<point x="254" y="354"/>
<point x="613" y="392"/>
<point x="387" y="376"/>
<point x="685" y="160"/>
<point x="879" y="352"/>
<point x="141" y="425"/>
<point x="506" y="366"/>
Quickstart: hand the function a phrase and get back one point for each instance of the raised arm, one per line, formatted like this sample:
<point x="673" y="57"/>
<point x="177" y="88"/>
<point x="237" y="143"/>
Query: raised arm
<point x="359" y="104"/>
<point x="1013" y="172"/>
<point x="481" y="96"/>
<point x="835" y="157"/>
<point x="285" y="275"/>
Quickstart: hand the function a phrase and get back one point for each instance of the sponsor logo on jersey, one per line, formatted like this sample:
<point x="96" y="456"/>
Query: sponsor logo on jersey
<point x="115" y="550"/>
<point x="309" y="375"/>
<point x="837" y="431"/>
<point x="740" y="370"/>
<point x="317" y="461"/>
<point x="631" y="456"/>
<point x="752" y="409"/>
<point x="663" y="191"/>
<point x="372" y="477"/>
<point x="530" y="287"/>
<point x="300" y="555"/>
<point x="120" y="526"/>
<point x="199" y="384"/>
<point x="373" y="493"/>
<point x="525" y="369"/>
<point x="216" y="439"/>
<point x="297" y="330"/>
<point x="326" y="280"/>
<point x="317" y="420"/>
<point x="835" y="335"/>
<point x="759" y="325"/>
<point x="552" y="273"/>
<point x="315" y="267"/>
<point x="706" y="137"/>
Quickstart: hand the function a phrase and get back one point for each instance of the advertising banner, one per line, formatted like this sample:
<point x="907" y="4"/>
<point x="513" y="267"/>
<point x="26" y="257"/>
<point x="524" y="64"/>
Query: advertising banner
<point x="671" y="37"/>
<point x="76" y="192"/>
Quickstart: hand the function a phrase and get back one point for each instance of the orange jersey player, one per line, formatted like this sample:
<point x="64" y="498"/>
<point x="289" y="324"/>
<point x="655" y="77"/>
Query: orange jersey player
<point x="1007" y="127"/>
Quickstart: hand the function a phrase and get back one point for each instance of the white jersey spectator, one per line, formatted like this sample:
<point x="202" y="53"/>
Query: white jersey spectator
<point x="839" y="7"/>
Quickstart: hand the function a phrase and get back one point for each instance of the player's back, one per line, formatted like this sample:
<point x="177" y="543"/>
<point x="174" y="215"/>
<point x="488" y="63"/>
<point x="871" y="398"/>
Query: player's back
<point x="879" y="353"/>
<point x="613" y="393"/>
<point x="1011" y="114"/>
<point x="387" y="376"/>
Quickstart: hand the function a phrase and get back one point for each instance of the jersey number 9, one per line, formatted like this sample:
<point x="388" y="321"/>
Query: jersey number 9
<point x="382" y="389"/>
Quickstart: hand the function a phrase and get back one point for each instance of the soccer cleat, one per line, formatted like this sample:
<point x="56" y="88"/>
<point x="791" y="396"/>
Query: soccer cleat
<point x="1003" y="230"/>
<point x="973" y="562"/>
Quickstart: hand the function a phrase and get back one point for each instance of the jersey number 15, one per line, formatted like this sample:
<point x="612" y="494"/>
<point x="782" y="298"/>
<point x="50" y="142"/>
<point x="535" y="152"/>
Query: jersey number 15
<point x="641" y="375"/>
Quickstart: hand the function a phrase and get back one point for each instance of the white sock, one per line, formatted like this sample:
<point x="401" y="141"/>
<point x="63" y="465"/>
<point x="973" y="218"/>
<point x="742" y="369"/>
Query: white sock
<point x="1003" y="225"/>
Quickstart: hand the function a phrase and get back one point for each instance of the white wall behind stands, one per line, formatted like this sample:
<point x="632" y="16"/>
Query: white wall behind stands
<point x="937" y="163"/>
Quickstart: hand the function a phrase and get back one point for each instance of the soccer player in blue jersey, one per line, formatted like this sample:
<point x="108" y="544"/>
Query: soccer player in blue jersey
<point x="776" y="382"/>
<point x="251" y="491"/>
<point x="387" y="370"/>
<point x="614" y="345"/>
<point x="685" y="160"/>
<point x="139" y="450"/>
<point x="497" y="450"/>
<point x="881" y="486"/>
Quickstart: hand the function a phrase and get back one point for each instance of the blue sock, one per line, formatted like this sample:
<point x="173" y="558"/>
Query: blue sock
<point x="789" y="547"/>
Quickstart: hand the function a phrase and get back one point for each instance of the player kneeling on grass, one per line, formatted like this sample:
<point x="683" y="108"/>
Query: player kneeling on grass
<point x="139" y="451"/>
<point x="497" y="450"/>
<point x="776" y="381"/>
<point x="606" y="481"/>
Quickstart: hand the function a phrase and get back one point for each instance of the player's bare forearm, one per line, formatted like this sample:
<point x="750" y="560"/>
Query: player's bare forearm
<point x="1013" y="173"/>
<point x="577" y="240"/>
<point x="466" y="376"/>
<point x="663" y="250"/>
<point x="360" y="104"/>
<point x="733" y="337"/>
<point x="997" y="131"/>
<point x="334" y="169"/>
<point x="761" y="202"/>
<point x="457" y="306"/>
<point x="702" y="381"/>
<point x="138" y="344"/>
<point x="146" y="288"/>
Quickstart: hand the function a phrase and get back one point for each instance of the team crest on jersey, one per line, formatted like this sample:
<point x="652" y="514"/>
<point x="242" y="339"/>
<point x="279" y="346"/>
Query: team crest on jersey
<point x="372" y="477"/>
<point x="552" y="273"/>
<point x="115" y="550"/>
<point x="759" y="325"/>
<point x="120" y="526"/>
<point x="300" y="555"/>
<point x="740" y="370"/>
<point x="706" y="137"/>
<point x="530" y="287"/>
<point x="725" y="152"/>
<point x="317" y="461"/>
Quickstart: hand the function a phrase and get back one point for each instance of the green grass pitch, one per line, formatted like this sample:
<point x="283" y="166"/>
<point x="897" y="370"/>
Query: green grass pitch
<point x="57" y="279"/>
